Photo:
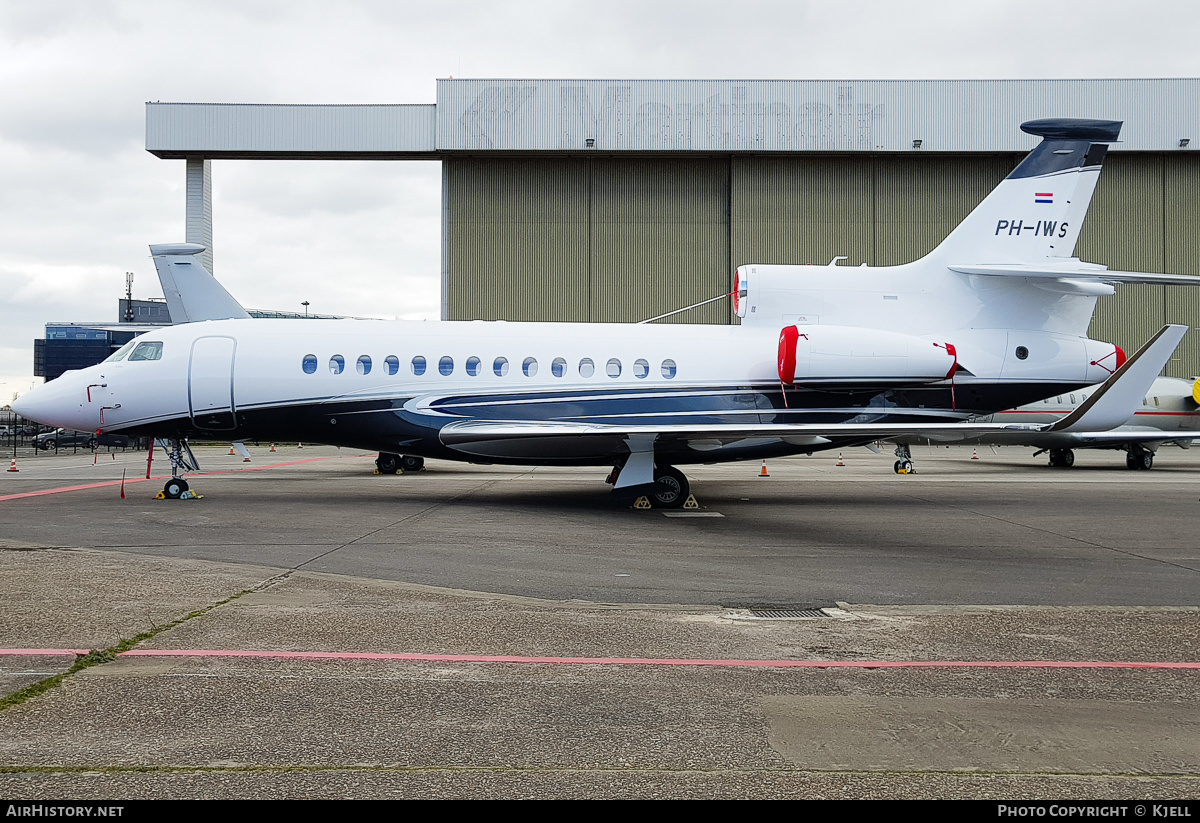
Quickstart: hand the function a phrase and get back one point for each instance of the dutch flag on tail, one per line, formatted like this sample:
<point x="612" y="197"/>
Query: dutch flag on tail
<point x="1043" y="197"/>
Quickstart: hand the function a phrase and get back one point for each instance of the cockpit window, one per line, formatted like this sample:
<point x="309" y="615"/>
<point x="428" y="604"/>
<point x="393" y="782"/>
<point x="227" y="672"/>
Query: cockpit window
<point x="146" y="351"/>
<point x="121" y="353"/>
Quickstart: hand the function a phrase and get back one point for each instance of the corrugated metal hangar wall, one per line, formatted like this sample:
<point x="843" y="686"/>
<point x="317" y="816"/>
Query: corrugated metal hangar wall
<point x="616" y="239"/>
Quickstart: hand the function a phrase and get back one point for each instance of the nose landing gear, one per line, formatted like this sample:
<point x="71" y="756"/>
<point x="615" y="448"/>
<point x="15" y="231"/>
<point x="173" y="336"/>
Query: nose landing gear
<point x="182" y="460"/>
<point x="904" y="462"/>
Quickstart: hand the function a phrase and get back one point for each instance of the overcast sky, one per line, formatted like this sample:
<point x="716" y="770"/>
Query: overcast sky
<point x="80" y="198"/>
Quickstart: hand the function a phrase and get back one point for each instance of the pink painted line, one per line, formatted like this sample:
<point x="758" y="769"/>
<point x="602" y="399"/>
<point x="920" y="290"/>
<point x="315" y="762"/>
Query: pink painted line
<point x="131" y="480"/>
<point x="642" y="661"/>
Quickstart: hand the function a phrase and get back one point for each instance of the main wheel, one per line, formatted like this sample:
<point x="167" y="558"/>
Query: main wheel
<point x="670" y="488"/>
<point x="175" y="488"/>
<point x="1143" y="459"/>
<point x="907" y="466"/>
<point x="897" y="466"/>
<point x="387" y="463"/>
<point x="1068" y="458"/>
<point x="412" y="463"/>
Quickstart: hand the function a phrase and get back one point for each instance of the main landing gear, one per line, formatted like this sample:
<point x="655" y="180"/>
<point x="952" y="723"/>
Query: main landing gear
<point x="388" y="463"/>
<point x="1136" y="457"/>
<point x="1062" y="458"/>
<point x="904" y="463"/>
<point x="670" y="489"/>
<point x="1139" y="458"/>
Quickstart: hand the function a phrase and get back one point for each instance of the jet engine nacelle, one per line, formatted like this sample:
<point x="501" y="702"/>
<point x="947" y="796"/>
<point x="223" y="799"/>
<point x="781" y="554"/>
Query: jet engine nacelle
<point x="821" y="353"/>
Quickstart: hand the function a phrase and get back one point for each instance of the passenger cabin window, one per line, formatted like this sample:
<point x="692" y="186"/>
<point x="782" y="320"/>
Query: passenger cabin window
<point x="473" y="366"/>
<point x="614" y="368"/>
<point x="418" y="365"/>
<point x="558" y="367"/>
<point x="641" y="368"/>
<point x="529" y="367"/>
<point x="393" y="363"/>
<point x="309" y="364"/>
<point x="500" y="366"/>
<point x="337" y="363"/>
<point x="668" y="369"/>
<point x="146" y="351"/>
<point x="586" y="367"/>
<point x="364" y="364"/>
<point x="446" y="366"/>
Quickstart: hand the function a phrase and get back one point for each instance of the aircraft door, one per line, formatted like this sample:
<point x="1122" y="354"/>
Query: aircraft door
<point x="210" y="383"/>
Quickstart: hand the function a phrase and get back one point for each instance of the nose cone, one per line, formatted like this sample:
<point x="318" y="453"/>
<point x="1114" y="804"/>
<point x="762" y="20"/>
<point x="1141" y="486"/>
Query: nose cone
<point x="59" y="403"/>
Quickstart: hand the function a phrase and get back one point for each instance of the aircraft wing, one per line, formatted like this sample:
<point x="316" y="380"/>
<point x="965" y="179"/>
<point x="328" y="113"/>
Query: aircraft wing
<point x="496" y="438"/>
<point x="1085" y="439"/>
<point x="1044" y="439"/>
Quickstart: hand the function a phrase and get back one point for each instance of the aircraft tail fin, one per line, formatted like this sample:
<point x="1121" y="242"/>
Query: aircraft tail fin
<point x="1037" y="211"/>
<point x="192" y="292"/>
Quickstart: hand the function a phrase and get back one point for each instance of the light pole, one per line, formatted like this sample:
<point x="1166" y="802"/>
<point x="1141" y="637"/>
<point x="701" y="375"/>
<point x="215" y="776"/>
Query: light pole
<point x="305" y="305"/>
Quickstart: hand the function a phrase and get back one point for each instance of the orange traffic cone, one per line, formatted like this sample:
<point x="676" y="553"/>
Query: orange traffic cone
<point x="974" y="454"/>
<point x="231" y="451"/>
<point x="763" y="473"/>
<point x="272" y="447"/>
<point x="12" y="467"/>
<point x="840" y="461"/>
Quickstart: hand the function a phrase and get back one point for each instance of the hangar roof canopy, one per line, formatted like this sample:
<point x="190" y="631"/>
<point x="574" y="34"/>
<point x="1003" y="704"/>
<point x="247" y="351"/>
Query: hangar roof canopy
<point x="681" y="116"/>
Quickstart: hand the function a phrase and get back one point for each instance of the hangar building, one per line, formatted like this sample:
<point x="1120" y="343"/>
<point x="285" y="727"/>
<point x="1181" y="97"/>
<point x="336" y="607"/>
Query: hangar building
<point x="619" y="200"/>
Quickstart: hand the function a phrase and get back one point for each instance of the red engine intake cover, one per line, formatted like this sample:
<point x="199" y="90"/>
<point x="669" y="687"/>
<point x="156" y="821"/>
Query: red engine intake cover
<point x="787" y="354"/>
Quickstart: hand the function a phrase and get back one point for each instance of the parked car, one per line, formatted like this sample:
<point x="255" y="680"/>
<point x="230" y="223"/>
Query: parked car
<point x="88" y="440"/>
<point x="65" y="437"/>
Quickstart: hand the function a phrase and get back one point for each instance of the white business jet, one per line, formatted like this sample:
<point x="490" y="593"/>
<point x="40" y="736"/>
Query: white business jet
<point x="825" y="357"/>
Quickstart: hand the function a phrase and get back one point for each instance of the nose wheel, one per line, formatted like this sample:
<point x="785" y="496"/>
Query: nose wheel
<point x="175" y="488"/>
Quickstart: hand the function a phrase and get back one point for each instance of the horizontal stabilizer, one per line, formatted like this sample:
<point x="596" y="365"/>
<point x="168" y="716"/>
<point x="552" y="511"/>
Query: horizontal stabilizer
<point x="192" y="293"/>
<point x="1120" y="395"/>
<point x="1077" y="272"/>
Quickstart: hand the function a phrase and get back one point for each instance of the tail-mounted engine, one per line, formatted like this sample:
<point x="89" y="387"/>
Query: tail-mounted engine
<point x="823" y="353"/>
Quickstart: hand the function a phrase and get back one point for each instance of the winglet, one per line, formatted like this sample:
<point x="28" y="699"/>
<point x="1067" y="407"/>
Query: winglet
<point x="192" y="292"/>
<point x="1120" y="395"/>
